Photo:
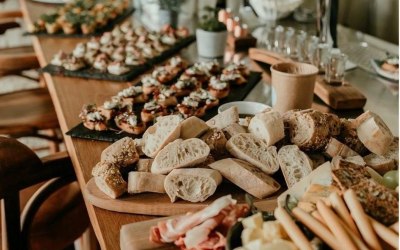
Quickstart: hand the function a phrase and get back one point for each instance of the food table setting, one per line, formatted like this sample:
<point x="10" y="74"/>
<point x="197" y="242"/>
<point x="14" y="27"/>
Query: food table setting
<point x="225" y="164"/>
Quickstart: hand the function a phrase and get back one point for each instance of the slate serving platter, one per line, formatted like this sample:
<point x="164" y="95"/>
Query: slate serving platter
<point x="237" y="93"/>
<point x="128" y="12"/>
<point x="91" y="73"/>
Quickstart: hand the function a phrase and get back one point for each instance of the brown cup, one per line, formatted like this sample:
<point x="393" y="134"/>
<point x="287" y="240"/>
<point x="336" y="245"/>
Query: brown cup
<point x="294" y="85"/>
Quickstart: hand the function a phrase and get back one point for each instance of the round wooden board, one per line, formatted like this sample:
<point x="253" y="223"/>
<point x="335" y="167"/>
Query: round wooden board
<point x="160" y="204"/>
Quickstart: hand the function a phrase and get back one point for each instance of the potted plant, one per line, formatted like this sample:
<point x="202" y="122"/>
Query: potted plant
<point x="211" y="35"/>
<point x="169" y="10"/>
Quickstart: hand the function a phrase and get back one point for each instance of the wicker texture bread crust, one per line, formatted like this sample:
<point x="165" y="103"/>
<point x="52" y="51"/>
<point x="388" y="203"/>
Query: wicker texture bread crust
<point x="246" y="176"/>
<point x="122" y="153"/>
<point x="294" y="164"/>
<point x="193" y="127"/>
<point x="164" y="131"/>
<point x="347" y="174"/>
<point x="192" y="184"/>
<point x="250" y="148"/>
<point x="179" y="154"/>
<point x="379" y="163"/>
<point x="139" y="182"/>
<point x="268" y="126"/>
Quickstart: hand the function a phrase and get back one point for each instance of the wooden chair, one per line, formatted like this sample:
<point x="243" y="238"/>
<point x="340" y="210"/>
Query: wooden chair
<point x="53" y="213"/>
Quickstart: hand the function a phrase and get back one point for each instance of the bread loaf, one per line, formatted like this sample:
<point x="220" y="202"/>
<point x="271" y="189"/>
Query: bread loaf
<point x="109" y="180"/>
<point x="164" y="131"/>
<point x="246" y="176"/>
<point x="193" y="127"/>
<point x="347" y="174"/>
<point x="317" y="159"/>
<point x="140" y="182"/>
<point x="393" y="152"/>
<point x="294" y="164"/>
<point x="268" y="126"/>
<point x="225" y="118"/>
<point x="379" y="163"/>
<point x="192" y="184"/>
<point x="336" y="148"/>
<point x="144" y="165"/>
<point x="250" y="148"/>
<point x="216" y="140"/>
<point x="179" y="154"/>
<point x="233" y="129"/>
<point x="122" y="153"/>
<point x="374" y="133"/>
<point x="348" y="135"/>
<point x="358" y="160"/>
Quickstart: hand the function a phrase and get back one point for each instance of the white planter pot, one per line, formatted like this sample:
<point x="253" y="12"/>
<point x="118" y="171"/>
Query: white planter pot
<point x="211" y="44"/>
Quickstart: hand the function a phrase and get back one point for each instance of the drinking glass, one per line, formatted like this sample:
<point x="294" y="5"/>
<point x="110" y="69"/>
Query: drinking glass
<point x="311" y="46"/>
<point x="290" y="43"/>
<point x="279" y="39"/>
<point x="319" y="55"/>
<point x="335" y="67"/>
<point x="301" y="48"/>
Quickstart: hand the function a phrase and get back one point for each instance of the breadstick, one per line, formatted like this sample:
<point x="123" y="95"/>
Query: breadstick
<point x="334" y="225"/>
<point x="318" y="216"/>
<point x="341" y="209"/>
<point x="317" y="227"/>
<point x="292" y="229"/>
<point x="361" y="219"/>
<point x="385" y="233"/>
<point x="357" y="240"/>
<point x="395" y="227"/>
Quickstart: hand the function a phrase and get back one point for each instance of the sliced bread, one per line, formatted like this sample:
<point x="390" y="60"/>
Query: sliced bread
<point x="294" y="164"/>
<point x="379" y="163"/>
<point x="374" y="133"/>
<point x="233" y="129"/>
<point x="348" y="135"/>
<point x="246" y="176"/>
<point x="144" y="165"/>
<point x="268" y="126"/>
<point x="122" y="153"/>
<point x="140" y="182"/>
<point x="250" y="148"/>
<point x="179" y="154"/>
<point x="216" y="140"/>
<point x="109" y="180"/>
<point x="192" y="184"/>
<point x="193" y="127"/>
<point x="336" y="148"/>
<point x="224" y="119"/>
<point x="317" y="159"/>
<point x="346" y="174"/>
<point x="393" y="152"/>
<point x="164" y="131"/>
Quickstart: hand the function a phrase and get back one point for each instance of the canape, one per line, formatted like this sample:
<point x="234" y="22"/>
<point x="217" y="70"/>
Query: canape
<point x="92" y="118"/>
<point x="233" y="77"/>
<point x="101" y="62"/>
<point x="106" y="38"/>
<point x="150" y="84"/>
<point x="198" y="72"/>
<point x="218" y="88"/>
<point x="59" y="58"/>
<point x="184" y="86"/>
<point x="118" y="54"/>
<point x="117" y="68"/>
<point x="107" y="48"/>
<point x="129" y="122"/>
<point x="110" y="108"/>
<point x="72" y="63"/>
<point x="166" y="97"/>
<point x="191" y="107"/>
<point x="211" y="67"/>
<point x="133" y="94"/>
<point x="79" y="51"/>
<point x="162" y="74"/>
<point x="93" y="44"/>
<point x="151" y="110"/>
<point x="234" y="67"/>
<point x="206" y="99"/>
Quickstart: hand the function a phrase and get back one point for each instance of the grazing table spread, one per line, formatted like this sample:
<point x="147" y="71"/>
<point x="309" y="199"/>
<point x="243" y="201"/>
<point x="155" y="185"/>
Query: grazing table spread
<point x="69" y="94"/>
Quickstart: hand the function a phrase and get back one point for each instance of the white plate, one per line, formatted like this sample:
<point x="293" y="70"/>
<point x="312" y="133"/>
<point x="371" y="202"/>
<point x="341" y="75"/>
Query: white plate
<point x="245" y="107"/>
<point x="52" y="1"/>
<point x="376" y="64"/>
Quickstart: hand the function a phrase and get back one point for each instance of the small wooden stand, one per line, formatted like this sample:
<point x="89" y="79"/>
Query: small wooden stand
<point x="242" y="43"/>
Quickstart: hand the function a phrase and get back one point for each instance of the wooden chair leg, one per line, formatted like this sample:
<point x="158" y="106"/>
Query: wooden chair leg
<point x="88" y="241"/>
<point x="54" y="146"/>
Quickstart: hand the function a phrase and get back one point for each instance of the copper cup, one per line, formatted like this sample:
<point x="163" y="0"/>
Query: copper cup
<point x="294" y="85"/>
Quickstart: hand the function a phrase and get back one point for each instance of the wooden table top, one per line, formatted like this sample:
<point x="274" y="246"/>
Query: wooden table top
<point x="68" y="95"/>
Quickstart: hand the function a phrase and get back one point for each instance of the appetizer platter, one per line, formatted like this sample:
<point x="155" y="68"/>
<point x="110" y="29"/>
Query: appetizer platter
<point x="173" y="88"/>
<point x="388" y="68"/>
<point x="82" y="18"/>
<point x="120" y="55"/>
<point x="181" y="165"/>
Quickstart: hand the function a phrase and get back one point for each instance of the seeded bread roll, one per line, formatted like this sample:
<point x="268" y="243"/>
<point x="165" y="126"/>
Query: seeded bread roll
<point x="294" y="163"/>
<point x="246" y="176"/>
<point x="179" y="154"/>
<point x="267" y="126"/>
<point x="216" y="140"/>
<point x="122" y="153"/>
<point x="379" y="163"/>
<point x="164" y="131"/>
<point x="374" y="133"/>
<point x="192" y="184"/>
<point x="348" y="136"/>
<point x="224" y="119"/>
<point x="140" y="182"/>
<point x="250" y="148"/>
<point x="233" y="129"/>
<point x="193" y="127"/>
<point x="109" y="180"/>
<point x="336" y="148"/>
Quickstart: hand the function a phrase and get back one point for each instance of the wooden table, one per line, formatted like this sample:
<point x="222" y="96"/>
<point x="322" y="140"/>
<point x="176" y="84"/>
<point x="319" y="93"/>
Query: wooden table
<point x="68" y="95"/>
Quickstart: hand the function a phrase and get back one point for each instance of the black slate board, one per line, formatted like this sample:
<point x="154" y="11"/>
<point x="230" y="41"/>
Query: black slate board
<point x="135" y="71"/>
<point x="128" y="12"/>
<point x="237" y="93"/>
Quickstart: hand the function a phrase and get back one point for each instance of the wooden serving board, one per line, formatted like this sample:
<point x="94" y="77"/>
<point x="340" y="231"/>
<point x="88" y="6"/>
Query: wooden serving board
<point x="160" y="204"/>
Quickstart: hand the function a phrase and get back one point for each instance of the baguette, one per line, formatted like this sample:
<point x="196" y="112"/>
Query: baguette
<point x="179" y="154"/>
<point x="216" y="140"/>
<point x="109" y="180"/>
<point x="393" y="152"/>
<point x="357" y="160"/>
<point x="139" y="182"/>
<point x="233" y="129"/>
<point x="144" y="165"/>
<point x="374" y="133"/>
<point x="224" y="119"/>
<point x="348" y="135"/>
<point x="122" y="153"/>
<point x="253" y="150"/>
<point x="192" y="184"/>
<point x="379" y="163"/>
<point x="267" y="126"/>
<point x="164" y="131"/>
<point x="294" y="164"/>
<point x="317" y="159"/>
<point x="249" y="178"/>
<point x="336" y="148"/>
<point x="193" y="127"/>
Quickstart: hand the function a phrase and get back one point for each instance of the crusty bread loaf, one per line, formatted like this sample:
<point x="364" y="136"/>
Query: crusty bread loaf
<point x="348" y="135"/>
<point x="193" y="127"/>
<point x="109" y="180"/>
<point x="268" y="126"/>
<point x="122" y="153"/>
<point x="164" y="131"/>
<point x="192" y="184"/>
<point x="294" y="164"/>
<point x="246" y="176"/>
<point x="346" y="174"/>
<point x="179" y="154"/>
<point x="140" y="182"/>
<point x="336" y="148"/>
<point x="393" y="152"/>
<point x="216" y="140"/>
<point x="250" y="148"/>
<point x="144" y="165"/>
<point x="233" y="129"/>
<point x="374" y="133"/>
<point x="357" y="160"/>
<point x="225" y="118"/>
<point x="379" y="163"/>
<point x="139" y="145"/>
<point x="317" y="159"/>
